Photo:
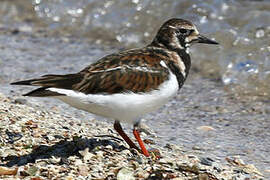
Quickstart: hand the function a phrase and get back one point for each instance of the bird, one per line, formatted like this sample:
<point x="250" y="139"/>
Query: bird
<point x="126" y="85"/>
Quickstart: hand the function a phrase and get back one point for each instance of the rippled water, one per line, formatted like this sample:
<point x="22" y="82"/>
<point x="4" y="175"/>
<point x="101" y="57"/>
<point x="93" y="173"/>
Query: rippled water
<point x="242" y="27"/>
<point x="241" y="62"/>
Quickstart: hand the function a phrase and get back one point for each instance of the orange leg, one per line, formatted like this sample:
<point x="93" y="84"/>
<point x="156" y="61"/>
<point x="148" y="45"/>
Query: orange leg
<point x="137" y="136"/>
<point x="117" y="126"/>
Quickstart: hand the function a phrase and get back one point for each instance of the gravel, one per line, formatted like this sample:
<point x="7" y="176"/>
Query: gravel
<point x="36" y="143"/>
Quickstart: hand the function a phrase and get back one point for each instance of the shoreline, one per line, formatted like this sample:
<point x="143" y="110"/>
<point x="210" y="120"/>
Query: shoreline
<point x="42" y="144"/>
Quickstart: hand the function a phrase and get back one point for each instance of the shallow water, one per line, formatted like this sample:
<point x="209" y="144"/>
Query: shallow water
<point x="228" y="88"/>
<point x="242" y="28"/>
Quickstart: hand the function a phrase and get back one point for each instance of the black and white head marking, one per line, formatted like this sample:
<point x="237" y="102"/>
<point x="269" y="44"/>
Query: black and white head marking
<point x="184" y="36"/>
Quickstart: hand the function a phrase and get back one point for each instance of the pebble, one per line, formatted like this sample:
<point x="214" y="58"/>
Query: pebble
<point x="197" y="148"/>
<point x="125" y="174"/>
<point x="55" y="160"/>
<point x="205" y="128"/>
<point x="100" y="154"/>
<point x="83" y="170"/>
<point x="142" y="174"/>
<point x="20" y="101"/>
<point x="166" y="160"/>
<point x="32" y="170"/>
<point x="78" y="162"/>
<point x="86" y="154"/>
<point x="206" y="161"/>
<point x="8" y="171"/>
<point x="260" y="33"/>
<point x="109" y="147"/>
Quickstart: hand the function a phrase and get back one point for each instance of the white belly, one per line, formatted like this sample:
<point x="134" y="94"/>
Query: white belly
<point x="127" y="107"/>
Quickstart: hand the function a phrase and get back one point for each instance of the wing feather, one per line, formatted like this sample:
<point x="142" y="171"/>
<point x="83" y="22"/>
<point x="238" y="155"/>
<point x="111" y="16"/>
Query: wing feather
<point x="112" y="74"/>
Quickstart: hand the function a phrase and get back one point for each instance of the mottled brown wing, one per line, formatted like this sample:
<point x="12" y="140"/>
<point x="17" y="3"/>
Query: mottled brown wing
<point x="116" y="73"/>
<point x="123" y="74"/>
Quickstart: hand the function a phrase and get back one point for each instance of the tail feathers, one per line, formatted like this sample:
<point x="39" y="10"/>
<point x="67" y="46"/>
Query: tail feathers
<point x="26" y="82"/>
<point x="47" y="81"/>
<point x="42" y="92"/>
<point x="57" y="81"/>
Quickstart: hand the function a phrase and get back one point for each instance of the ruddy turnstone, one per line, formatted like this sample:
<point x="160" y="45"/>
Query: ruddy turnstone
<point x="126" y="85"/>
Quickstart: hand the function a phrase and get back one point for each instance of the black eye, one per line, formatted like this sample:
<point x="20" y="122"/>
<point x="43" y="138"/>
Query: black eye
<point x="183" y="31"/>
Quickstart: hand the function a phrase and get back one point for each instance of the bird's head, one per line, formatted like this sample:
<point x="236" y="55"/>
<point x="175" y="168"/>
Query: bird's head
<point x="179" y="34"/>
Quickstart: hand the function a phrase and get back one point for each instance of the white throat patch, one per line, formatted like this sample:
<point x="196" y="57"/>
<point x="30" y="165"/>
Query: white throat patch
<point x="187" y="48"/>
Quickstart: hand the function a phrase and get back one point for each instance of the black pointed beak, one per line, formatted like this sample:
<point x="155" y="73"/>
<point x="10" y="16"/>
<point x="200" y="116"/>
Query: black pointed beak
<point x="203" y="39"/>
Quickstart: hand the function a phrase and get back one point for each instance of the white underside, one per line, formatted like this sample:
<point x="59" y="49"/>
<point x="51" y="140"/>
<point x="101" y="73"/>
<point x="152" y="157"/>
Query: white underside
<point x="126" y="107"/>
